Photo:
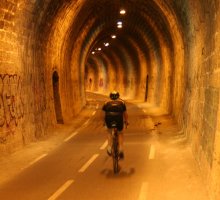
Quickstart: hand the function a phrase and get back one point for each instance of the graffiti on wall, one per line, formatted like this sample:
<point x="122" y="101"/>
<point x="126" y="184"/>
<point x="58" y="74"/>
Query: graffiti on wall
<point x="11" y="103"/>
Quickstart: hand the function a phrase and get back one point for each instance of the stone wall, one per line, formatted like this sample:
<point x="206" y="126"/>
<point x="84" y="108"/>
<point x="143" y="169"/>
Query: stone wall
<point x="12" y="81"/>
<point x="201" y="102"/>
<point x="32" y="38"/>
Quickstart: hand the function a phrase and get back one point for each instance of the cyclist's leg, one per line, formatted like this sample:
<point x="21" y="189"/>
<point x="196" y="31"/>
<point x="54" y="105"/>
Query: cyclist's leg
<point x="108" y="120"/>
<point x="121" y="140"/>
<point x="120" y="135"/>
<point x="121" y="144"/>
<point x="109" y="147"/>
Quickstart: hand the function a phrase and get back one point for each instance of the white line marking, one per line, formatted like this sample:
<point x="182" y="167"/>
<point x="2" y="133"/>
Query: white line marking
<point x="152" y="152"/>
<point x="143" y="192"/>
<point x="85" y="166"/>
<point x="61" y="190"/>
<point x="71" y="136"/>
<point x="104" y="145"/>
<point x="37" y="159"/>
<point x="86" y="122"/>
<point x="93" y="113"/>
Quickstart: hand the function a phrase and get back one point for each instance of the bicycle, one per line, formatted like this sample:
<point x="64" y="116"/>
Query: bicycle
<point x="115" y="146"/>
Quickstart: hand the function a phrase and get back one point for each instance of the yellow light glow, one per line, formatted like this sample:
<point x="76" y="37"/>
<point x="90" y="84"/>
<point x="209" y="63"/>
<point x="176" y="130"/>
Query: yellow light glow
<point x="122" y="11"/>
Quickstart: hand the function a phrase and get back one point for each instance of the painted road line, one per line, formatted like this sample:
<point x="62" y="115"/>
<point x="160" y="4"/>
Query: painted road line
<point x="37" y="159"/>
<point x="143" y="192"/>
<point x="152" y="152"/>
<point x="93" y="113"/>
<point x="71" y="136"/>
<point x="86" y="122"/>
<point x="84" y="167"/>
<point x="104" y="145"/>
<point x="61" y="190"/>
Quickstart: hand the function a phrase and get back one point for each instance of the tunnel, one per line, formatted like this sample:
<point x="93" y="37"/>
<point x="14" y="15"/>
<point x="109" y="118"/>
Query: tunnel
<point x="164" y="54"/>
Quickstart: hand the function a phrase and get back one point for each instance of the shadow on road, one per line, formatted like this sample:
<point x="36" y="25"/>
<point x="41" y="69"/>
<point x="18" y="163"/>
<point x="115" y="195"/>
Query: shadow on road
<point x="109" y="173"/>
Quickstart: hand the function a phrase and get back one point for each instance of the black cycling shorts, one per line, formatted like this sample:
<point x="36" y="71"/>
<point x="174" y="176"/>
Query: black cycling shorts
<point x="114" y="118"/>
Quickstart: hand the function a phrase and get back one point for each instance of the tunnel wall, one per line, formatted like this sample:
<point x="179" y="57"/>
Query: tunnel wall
<point x="17" y="112"/>
<point x="25" y="115"/>
<point x="201" y="105"/>
<point x="33" y="39"/>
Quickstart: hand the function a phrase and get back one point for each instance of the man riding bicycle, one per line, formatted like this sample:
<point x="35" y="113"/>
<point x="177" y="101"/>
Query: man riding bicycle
<point x="115" y="111"/>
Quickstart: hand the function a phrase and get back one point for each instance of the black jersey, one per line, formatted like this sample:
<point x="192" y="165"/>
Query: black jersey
<point x="114" y="112"/>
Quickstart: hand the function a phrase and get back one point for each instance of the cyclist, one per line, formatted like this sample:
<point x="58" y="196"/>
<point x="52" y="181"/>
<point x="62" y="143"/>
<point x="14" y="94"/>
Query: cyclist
<point x="115" y="110"/>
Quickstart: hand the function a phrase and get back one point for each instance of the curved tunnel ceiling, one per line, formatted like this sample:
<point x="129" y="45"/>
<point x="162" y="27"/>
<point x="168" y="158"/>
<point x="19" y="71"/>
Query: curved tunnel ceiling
<point x="143" y="47"/>
<point x="141" y="19"/>
<point x="144" y="34"/>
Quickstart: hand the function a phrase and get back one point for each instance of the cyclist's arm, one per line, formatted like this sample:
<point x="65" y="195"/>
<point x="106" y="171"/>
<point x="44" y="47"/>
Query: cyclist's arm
<point x="103" y="115"/>
<point x="125" y="115"/>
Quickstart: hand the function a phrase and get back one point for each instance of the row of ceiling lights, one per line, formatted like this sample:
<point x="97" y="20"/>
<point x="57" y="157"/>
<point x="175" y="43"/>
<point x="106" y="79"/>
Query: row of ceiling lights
<point x="119" y="25"/>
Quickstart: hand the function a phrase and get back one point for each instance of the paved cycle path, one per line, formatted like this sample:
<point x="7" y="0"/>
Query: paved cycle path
<point x="73" y="164"/>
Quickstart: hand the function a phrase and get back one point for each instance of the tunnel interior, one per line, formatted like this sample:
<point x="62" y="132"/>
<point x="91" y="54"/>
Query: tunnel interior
<point x="163" y="53"/>
<point x="143" y="46"/>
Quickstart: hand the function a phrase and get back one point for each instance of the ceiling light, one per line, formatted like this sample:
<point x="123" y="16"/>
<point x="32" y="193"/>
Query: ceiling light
<point x="119" y="22"/>
<point x="106" y="44"/>
<point x="99" y="49"/>
<point x="93" y="52"/>
<point x="119" y="26"/>
<point x="122" y="11"/>
<point x="113" y="36"/>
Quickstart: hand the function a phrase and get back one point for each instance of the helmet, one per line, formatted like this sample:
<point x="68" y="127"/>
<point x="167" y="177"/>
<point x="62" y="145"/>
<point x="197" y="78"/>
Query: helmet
<point x="114" y="95"/>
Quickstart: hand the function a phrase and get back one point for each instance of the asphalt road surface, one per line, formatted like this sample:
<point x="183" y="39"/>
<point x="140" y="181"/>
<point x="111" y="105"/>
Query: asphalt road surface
<point x="158" y="164"/>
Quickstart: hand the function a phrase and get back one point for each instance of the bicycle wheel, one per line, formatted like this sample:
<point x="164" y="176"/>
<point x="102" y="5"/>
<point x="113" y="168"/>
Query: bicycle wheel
<point x="115" y="155"/>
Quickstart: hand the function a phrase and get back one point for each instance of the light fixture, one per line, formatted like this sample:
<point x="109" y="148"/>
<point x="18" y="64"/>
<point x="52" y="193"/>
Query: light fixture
<point x="122" y="11"/>
<point x="106" y="44"/>
<point x="119" y="22"/>
<point x="119" y="26"/>
<point x="113" y="36"/>
<point x="99" y="49"/>
<point x="93" y="52"/>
